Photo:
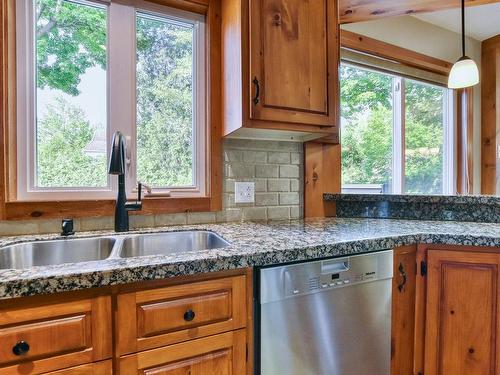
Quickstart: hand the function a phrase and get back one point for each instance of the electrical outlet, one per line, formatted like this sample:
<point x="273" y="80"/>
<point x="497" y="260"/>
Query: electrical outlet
<point x="244" y="192"/>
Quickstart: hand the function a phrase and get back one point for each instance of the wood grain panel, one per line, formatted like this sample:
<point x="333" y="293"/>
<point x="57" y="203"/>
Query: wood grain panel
<point x="168" y="316"/>
<point x="222" y="354"/>
<point x="366" y="10"/>
<point x="322" y="175"/>
<point x="490" y="115"/>
<point x="462" y="320"/>
<point x="59" y="334"/>
<point x="153" y="318"/>
<point x="362" y="43"/>
<point x="293" y="51"/>
<point x="403" y="310"/>
<point x="46" y="338"/>
<point x="98" y="368"/>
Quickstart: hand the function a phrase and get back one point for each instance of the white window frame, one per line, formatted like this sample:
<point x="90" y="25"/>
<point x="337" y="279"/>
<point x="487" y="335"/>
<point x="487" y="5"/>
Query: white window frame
<point x="399" y="138"/>
<point x="121" y="100"/>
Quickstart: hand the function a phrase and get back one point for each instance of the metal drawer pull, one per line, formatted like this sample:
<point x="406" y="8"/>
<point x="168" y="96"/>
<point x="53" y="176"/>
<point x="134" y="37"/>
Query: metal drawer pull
<point x="21" y="348"/>
<point x="257" y="91"/>
<point x="189" y="315"/>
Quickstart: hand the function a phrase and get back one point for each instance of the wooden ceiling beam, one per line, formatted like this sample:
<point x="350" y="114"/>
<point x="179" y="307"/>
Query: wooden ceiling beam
<point x="365" y="10"/>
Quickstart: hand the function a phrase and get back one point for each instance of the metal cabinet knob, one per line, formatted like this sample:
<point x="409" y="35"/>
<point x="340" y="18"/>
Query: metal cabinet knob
<point x="21" y="348"/>
<point x="189" y="315"/>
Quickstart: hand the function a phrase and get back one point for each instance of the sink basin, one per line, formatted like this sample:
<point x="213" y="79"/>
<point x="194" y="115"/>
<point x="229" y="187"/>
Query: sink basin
<point x="44" y="253"/>
<point x="170" y="243"/>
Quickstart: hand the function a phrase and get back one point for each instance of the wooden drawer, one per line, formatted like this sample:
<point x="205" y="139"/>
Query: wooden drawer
<point x="42" y="338"/>
<point x="163" y="316"/>
<point x="222" y="354"/>
<point x="98" y="368"/>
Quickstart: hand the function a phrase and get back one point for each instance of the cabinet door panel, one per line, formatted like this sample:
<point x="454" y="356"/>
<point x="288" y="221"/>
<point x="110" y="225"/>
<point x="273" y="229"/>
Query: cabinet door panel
<point x="222" y="354"/>
<point x="463" y="325"/>
<point x="294" y="61"/>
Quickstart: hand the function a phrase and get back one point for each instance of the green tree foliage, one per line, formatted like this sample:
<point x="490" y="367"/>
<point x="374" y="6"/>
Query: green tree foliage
<point x="164" y="103"/>
<point x="62" y="161"/>
<point x="366" y="99"/>
<point x="70" y="39"/>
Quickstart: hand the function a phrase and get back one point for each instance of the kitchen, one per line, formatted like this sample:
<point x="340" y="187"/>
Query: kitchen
<point x="249" y="187"/>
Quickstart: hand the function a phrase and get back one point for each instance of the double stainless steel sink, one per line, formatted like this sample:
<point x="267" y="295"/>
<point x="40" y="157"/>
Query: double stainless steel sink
<point x="76" y="250"/>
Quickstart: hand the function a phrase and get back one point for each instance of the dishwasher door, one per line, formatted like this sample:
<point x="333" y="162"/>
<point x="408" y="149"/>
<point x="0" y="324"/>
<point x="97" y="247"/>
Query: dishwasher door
<point x="329" y="317"/>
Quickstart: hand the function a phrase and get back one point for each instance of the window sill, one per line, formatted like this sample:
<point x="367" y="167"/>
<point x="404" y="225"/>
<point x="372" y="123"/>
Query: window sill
<point x="96" y="208"/>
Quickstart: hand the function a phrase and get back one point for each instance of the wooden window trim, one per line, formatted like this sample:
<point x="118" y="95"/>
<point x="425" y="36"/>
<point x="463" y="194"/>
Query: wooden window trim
<point x="11" y="209"/>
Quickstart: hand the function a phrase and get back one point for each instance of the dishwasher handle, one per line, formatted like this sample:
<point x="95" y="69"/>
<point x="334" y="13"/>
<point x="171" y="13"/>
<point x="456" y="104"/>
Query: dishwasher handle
<point x="334" y="266"/>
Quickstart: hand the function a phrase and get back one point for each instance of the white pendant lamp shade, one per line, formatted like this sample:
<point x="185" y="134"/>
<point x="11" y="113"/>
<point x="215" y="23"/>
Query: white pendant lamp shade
<point x="464" y="73"/>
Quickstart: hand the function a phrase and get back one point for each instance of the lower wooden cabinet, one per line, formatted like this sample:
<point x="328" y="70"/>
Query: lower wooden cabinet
<point x="54" y="333"/>
<point x="223" y="354"/>
<point x="462" y="330"/>
<point x="97" y="368"/>
<point x="403" y="310"/>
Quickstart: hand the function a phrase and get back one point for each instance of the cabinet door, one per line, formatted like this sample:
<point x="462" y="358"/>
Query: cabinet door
<point x="223" y="354"/>
<point x="462" y="325"/>
<point x="98" y="368"/>
<point x="403" y="310"/>
<point x="294" y="61"/>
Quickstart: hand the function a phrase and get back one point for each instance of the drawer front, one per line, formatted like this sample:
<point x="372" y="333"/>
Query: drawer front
<point x="98" y="368"/>
<point x="45" y="338"/>
<point x="163" y="316"/>
<point x="38" y="338"/>
<point x="222" y="354"/>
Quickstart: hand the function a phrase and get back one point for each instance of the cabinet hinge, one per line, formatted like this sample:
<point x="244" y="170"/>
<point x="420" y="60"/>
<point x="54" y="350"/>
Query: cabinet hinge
<point x="423" y="268"/>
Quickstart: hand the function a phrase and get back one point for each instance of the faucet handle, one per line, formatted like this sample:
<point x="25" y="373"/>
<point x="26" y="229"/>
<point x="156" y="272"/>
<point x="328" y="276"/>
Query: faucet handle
<point x="140" y="187"/>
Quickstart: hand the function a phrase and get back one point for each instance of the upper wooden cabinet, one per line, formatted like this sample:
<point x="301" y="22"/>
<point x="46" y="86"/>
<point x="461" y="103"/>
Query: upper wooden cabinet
<point x="280" y="67"/>
<point x="462" y="334"/>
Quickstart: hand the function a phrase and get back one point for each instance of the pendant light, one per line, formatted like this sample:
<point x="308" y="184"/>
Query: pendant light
<point x="464" y="72"/>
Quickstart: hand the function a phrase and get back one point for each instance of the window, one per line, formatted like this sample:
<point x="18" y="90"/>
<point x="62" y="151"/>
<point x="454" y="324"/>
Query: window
<point x="396" y="134"/>
<point x="89" y="68"/>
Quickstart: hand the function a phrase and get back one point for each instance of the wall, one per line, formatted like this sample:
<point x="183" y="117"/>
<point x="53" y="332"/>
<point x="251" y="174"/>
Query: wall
<point x="412" y="33"/>
<point x="276" y="167"/>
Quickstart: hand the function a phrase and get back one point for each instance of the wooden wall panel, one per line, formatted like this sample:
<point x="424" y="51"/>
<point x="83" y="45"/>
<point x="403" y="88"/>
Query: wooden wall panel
<point x="365" y="10"/>
<point x="322" y="175"/>
<point x="490" y="115"/>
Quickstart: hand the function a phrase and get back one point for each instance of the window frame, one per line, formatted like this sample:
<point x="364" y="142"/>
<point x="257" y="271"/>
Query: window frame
<point x="11" y="208"/>
<point x="398" y="165"/>
<point x="121" y="92"/>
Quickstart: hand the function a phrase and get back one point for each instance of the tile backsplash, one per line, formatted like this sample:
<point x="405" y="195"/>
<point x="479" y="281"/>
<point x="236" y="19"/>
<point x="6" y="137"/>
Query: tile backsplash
<point x="276" y="168"/>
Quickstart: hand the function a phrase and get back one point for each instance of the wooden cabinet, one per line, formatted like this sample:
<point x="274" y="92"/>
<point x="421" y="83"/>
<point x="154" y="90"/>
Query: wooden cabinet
<point x="222" y="354"/>
<point x="280" y="67"/>
<point x="403" y="310"/>
<point x="462" y="330"/>
<point x="97" y="368"/>
<point x="156" y="317"/>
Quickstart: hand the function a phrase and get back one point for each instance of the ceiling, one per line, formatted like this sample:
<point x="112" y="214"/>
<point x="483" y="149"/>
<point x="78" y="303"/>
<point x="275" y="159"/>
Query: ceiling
<point x="481" y="22"/>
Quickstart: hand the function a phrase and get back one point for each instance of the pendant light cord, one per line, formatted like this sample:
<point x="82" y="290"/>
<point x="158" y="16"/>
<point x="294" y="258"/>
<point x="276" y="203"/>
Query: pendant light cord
<point x="463" y="27"/>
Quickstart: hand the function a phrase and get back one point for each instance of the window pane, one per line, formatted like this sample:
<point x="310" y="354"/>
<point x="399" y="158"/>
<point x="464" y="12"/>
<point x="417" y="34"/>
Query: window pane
<point x="71" y="94"/>
<point x="164" y="102"/>
<point x="424" y="138"/>
<point x="366" y="129"/>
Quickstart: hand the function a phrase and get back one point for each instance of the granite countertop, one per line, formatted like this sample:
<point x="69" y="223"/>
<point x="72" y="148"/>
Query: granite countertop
<point x="415" y="198"/>
<point x="251" y="244"/>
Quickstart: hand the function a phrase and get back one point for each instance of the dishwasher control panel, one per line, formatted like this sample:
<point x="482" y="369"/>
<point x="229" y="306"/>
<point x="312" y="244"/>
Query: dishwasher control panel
<point x="317" y="276"/>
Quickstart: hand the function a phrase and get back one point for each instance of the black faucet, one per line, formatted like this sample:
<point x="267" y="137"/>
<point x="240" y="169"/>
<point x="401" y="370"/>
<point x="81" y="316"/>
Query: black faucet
<point x="117" y="166"/>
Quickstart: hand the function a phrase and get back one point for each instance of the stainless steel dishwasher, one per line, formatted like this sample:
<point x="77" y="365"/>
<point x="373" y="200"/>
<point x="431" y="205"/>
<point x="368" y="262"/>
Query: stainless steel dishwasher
<point x="329" y="317"/>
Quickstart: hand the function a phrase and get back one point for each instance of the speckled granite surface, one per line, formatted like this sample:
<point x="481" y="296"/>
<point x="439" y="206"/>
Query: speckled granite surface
<point x="252" y="244"/>
<point x="418" y="207"/>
